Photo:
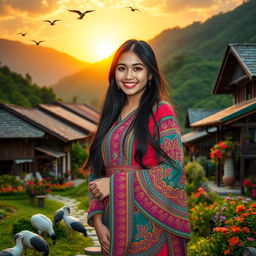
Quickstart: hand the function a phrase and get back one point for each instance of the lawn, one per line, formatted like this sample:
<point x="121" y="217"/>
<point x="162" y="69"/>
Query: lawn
<point x="64" y="245"/>
<point x="79" y="193"/>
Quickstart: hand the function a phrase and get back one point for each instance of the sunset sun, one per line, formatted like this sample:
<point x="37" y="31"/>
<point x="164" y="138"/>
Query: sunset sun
<point x="103" y="49"/>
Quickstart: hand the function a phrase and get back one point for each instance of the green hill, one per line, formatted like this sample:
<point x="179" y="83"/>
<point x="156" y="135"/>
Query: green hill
<point x="18" y="90"/>
<point x="191" y="56"/>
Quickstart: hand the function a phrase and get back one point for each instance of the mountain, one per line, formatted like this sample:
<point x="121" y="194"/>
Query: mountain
<point x="19" y="90"/>
<point x="89" y="85"/>
<point x="45" y="65"/>
<point x="190" y="57"/>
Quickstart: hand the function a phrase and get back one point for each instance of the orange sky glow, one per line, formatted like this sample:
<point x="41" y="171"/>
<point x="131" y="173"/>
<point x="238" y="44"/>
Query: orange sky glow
<point x="100" y="32"/>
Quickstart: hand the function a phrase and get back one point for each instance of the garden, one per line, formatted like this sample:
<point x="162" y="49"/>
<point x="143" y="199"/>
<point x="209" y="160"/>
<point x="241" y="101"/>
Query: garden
<point x="220" y="225"/>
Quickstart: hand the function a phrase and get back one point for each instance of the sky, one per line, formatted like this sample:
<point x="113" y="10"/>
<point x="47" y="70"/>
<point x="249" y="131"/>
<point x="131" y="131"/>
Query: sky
<point x="99" y="33"/>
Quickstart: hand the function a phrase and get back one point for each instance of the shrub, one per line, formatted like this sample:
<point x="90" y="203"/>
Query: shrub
<point x="250" y="186"/>
<point x="10" y="185"/>
<point x="199" y="247"/>
<point x="21" y="224"/>
<point x="195" y="176"/>
<point x="37" y="187"/>
<point x="202" y="196"/>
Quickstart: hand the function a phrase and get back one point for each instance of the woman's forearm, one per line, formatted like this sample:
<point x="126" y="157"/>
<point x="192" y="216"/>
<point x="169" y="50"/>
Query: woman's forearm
<point x="97" y="219"/>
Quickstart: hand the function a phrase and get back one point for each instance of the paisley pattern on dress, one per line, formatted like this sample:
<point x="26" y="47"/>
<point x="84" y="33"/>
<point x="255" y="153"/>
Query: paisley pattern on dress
<point x="147" y="208"/>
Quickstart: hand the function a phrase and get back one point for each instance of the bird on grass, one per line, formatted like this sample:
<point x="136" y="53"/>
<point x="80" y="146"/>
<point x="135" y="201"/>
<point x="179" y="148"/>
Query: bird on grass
<point x="17" y="249"/>
<point x="133" y="9"/>
<point x="35" y="242"/>
<point x="43" y="225"/>
<point x="52" y="23"/>
<point x="37" y="42"/>
<point x="58" y="216"/>
<point x="22" y="34"/>
<point x="73" y="223"/>
<point x="81" y="14"/>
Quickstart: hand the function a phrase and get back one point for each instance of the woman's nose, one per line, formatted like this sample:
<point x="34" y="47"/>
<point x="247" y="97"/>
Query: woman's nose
<point x="129" y="74"/>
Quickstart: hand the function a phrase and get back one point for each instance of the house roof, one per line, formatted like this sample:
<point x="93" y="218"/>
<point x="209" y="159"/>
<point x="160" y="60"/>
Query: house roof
<point x="83" y="110"/>
<point x="196" y="135"/>
<point x="70" y="117"/>
<point x="12" y="126"/>
<point x="46" y="122"/>
<point x="196" y="114"/>
<point x="228" y="115"/>
<point x="239" y="64"/>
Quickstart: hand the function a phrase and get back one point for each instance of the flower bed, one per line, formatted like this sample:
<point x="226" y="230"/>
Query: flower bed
<point x="62" y="187"/>
<point x="9" y="185"/>
<point x="223" y="227"/>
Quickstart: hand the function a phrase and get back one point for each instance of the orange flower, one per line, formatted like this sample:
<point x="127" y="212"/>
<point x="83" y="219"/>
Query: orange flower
<point x="246" y="229"/>
<point x="253" y="205"/>
<point x="253" y="213"/>
<point x="233" y="240"/>
<point x="244" y="215"/>
<point x="232" y="202"/>
<point x="221" y="229"/>
<point x="240" y="208"/>
<point x="235" y="229"/>
<point x="250" y="210"/>
<point x="227" y="221"/>
<point x="227" y="252"/>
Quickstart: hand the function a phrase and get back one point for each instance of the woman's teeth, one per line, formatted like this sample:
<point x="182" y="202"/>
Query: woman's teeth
<point x="129" y="85"/>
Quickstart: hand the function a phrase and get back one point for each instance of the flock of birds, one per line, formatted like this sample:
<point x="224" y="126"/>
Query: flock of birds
<point x="27" y="239"/>
<point x="81" y="16"/>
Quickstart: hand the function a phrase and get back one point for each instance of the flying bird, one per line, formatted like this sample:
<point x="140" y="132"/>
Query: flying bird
<point x="33" y="241"/>
<point x="81" y="14"/>
<point x="17" y="249"/>
<point x="22" y="34"/>
<point x="37" y="42"/>
<point x="52" y="23"/>
<point x="133" y="9"/>
<point x="73" y="223"/>
<point x="43" y="225"/>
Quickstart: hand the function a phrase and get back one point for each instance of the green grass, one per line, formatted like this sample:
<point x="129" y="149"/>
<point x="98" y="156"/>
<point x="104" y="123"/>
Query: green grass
<point x="64" y="245"/>
<point x="80" y="193"/>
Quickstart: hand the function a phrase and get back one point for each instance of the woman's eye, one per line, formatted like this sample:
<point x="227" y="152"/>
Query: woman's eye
<point x="137" y="69"/>
<point x="121" y="68"/>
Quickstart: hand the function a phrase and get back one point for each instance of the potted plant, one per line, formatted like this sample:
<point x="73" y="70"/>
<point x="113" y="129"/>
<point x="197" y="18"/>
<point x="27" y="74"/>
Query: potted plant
<point x="222" y="153"/>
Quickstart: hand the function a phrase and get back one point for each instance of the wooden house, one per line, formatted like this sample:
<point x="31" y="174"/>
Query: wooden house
<point x="198" y="141"/>
<point x="237" y="76"/>
<point x="39" y="139"/>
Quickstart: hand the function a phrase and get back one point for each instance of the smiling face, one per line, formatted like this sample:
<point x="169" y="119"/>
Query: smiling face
<point x="131" y="75"/>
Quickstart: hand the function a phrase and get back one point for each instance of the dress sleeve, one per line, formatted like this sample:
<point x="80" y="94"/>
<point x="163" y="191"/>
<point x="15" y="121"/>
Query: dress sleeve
<point x="95" y="206"/>
<point x="159" y="192"/>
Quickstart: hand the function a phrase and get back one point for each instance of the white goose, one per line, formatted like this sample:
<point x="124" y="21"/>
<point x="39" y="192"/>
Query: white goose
<point x="17" y="249"/>
<point x="33" y="241"/>
<point x="73" y="223"/>
<point x="43" y="225"/>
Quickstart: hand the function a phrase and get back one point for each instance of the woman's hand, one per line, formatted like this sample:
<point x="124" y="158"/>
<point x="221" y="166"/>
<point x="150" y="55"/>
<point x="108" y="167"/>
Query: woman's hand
<point x="103" y="234"/>
<point x="100" y="188"/>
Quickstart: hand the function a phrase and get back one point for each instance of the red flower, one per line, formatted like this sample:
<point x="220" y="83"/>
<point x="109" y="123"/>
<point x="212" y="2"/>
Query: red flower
<point x="233" y="240"/>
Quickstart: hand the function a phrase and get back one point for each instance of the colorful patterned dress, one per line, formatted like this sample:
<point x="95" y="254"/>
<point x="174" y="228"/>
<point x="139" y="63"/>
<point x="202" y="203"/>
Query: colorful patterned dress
<point x="146" y="211"/>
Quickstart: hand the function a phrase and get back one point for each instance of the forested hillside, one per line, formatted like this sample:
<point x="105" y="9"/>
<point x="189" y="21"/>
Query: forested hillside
<point x="191" y="56"/>
<point x="18" y="90"/>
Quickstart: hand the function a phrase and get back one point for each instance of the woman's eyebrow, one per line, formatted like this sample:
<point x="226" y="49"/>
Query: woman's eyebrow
<point x="134" y="64"/>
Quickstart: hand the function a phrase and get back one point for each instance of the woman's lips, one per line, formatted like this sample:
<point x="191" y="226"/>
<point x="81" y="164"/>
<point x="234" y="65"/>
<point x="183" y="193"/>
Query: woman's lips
<point x="129" y="85"/>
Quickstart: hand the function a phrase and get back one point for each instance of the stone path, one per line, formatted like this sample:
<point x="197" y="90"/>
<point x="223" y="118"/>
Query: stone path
<point x="79" y="214"/>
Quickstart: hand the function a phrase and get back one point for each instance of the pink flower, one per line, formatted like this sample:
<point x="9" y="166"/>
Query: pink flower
<point x="253" y="193"/>
<point x="251" y="239"/>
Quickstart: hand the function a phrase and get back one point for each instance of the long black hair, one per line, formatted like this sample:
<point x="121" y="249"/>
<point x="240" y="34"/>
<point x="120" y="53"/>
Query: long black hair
<point x="115" y="101"/>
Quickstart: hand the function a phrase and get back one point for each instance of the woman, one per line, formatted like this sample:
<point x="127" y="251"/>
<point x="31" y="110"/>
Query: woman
<point x="137" y="194"/>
